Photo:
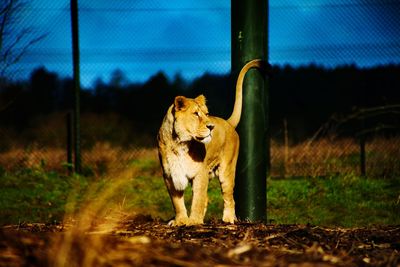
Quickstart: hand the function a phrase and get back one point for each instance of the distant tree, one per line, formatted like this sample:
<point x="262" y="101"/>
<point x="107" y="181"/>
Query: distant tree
<point x="217" y="89"/>
<point x="14" y="41"/>
<point x="64" y="94"/>
<point x="118" y="79"/>
<point x="12" y="98"/>
<point x="157" y="82"/>
<point x="153" y="101"/>
<point x="98" y="83"/>
<point x="44" y="85"/>
<point x="103" y="95"/>
<point x="179" y="83"/>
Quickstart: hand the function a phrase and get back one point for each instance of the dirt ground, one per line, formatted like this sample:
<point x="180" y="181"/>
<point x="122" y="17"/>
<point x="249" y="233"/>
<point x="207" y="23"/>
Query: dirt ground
<point x="147" y="242"/>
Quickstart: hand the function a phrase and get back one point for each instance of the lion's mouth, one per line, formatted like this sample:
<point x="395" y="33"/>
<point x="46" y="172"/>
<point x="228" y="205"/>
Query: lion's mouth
<point x="203" y="139"/>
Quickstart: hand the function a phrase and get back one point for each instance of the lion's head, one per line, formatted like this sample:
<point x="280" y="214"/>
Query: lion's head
<point x="191" y="121"/>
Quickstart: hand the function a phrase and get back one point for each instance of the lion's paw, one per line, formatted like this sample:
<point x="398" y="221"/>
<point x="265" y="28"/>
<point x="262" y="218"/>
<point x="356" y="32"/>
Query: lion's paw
<point x="179" y="222"/>
<point x="195" y="221"/>
<point x="229" y="217"/>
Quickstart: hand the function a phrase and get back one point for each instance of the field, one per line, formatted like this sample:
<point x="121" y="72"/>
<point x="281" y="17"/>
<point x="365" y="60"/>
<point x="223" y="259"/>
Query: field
<point x="116" y="215"/>
<point x="322" y="157"/>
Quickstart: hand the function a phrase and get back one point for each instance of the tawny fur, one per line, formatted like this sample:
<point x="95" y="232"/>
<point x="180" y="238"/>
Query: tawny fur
<point x="193" y="147"/>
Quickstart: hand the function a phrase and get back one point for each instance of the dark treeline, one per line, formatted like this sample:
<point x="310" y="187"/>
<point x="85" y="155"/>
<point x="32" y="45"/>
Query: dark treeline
<point x="305" y="97"/>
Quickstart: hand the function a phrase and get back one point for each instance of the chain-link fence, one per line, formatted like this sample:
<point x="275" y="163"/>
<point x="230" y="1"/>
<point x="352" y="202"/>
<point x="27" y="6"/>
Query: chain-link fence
<point x="328" y="58"/>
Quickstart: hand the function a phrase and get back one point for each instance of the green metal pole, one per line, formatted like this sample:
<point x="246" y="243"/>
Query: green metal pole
<point x="76" y="76"/>
<point x="250" y="41"/>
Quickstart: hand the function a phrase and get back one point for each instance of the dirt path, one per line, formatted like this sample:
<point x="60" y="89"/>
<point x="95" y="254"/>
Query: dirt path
<point x="145" y="242"/>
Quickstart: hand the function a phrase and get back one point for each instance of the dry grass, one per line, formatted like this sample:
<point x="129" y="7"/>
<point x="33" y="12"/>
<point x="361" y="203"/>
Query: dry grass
<point x="327" y="156"/>
<point x="100" y="159"/>
<point x="18" y="158"/>
<point x="104" y="157"/>
<point x="90" y="223"/>
<point x="321" y="157"/>
<point x="383" y="157"/>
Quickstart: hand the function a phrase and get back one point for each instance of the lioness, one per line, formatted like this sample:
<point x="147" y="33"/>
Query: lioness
<point x="194" y="146"/>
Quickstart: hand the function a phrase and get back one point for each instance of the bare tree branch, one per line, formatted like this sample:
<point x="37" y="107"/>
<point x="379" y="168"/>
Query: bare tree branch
<point x="18" y="41"/>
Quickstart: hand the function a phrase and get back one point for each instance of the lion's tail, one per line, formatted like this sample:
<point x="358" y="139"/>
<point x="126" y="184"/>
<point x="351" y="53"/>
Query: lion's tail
<point x="237" y="108"/>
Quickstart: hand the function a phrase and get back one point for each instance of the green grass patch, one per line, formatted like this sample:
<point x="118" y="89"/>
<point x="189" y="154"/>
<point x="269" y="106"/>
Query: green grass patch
<point x="33" y="195"/>
<point x="346" y="201"/>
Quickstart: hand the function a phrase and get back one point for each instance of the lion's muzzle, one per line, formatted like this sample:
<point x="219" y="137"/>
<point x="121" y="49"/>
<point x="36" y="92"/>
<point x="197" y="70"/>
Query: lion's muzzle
<point x="206" y="137"/>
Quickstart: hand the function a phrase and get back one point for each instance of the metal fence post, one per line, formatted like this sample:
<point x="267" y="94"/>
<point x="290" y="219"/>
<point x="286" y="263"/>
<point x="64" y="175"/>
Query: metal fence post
<point x="362" y="156"/>
<point x="69" y="125"/>
<point x="250" y="41"/>
<point x="76" y="75"/>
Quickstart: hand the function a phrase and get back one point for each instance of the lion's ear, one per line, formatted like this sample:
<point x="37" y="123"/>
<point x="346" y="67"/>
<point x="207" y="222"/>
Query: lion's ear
<point x="180" y="102"/>
<point x="201" y="99"/>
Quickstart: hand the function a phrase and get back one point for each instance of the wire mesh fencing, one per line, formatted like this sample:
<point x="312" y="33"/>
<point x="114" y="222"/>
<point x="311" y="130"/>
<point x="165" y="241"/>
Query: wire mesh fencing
<point x="330" y="157"/>
<point x="137" y="55"/>
<point x="322" y="158"/>
<point x="45" y="147"/>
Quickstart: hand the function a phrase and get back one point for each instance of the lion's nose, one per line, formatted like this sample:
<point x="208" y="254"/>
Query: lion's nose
<point x="210" y="126"/>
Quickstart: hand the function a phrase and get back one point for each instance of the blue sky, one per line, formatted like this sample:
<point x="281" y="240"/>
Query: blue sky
<point x="191" y="37"/>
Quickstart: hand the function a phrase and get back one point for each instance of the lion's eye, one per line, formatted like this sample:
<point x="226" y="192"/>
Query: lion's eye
<point x="196" y="114"/>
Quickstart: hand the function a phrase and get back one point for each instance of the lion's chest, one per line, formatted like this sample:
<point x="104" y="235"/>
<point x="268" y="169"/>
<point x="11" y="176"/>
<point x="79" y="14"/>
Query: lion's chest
<point x="182" y="168"/>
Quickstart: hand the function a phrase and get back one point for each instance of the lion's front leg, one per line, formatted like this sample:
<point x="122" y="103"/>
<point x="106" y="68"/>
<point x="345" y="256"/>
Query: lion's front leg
<point x="200" y="199"/>
<point x="181" y="217"/>
<point x="227" y="181"/>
